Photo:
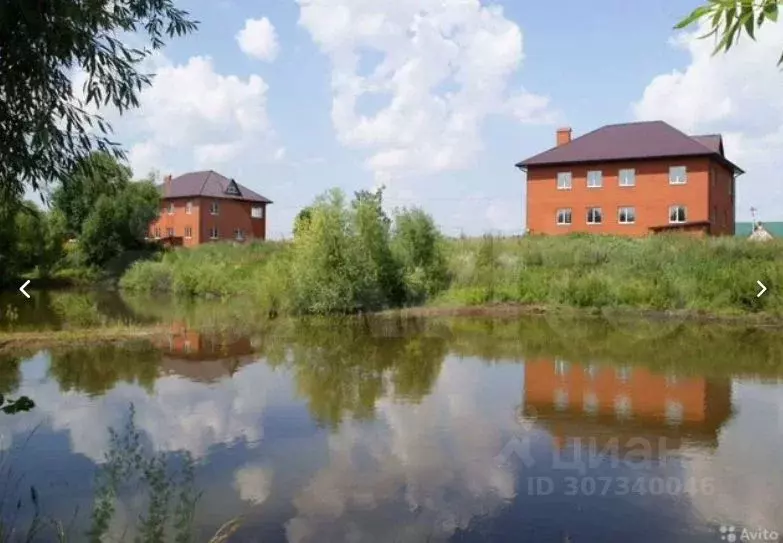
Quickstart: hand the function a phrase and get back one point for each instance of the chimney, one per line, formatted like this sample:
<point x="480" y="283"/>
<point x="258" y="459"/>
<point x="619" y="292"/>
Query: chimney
<point x="167" y="184"/>
<point x="563" y="135"/>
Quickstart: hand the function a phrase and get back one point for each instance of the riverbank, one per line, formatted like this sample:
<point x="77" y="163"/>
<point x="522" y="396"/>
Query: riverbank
<point x="44" y="339"/>
<point x="231" y="323"/>
<point x="656" y="276"/>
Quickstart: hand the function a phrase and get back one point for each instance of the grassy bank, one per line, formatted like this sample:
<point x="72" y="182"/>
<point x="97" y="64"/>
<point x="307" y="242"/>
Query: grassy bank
<point x="349" y="257"/>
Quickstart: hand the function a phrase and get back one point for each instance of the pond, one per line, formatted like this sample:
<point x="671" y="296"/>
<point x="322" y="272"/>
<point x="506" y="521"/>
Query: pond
<point x="545" y="429"/>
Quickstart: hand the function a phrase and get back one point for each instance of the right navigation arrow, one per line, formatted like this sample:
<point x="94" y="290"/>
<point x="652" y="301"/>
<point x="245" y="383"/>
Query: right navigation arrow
<point x="763" y="289"/>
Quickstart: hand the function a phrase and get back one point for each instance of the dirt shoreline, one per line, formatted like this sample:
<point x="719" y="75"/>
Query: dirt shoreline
<point x="35" y="340"/>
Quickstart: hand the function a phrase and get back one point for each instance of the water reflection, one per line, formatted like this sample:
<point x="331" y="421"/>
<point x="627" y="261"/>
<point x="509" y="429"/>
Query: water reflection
<point x="590" y="402"/>
<point x="391" y="430"/>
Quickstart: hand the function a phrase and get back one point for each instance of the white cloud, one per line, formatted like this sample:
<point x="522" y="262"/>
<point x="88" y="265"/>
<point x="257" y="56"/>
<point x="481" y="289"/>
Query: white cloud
<point x="736" y="94"/>
<point x="194" y="117"/>
<point x="444" y="66"/>
<point x="258" y="39"/>
<point x="407" y="462"/>
<point x="253" y="483"/>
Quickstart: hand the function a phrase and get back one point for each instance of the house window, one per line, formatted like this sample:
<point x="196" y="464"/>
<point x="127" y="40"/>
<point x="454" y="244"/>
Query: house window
<point x="594" y="179"/>
<point x="626" y="215"/>
<point x="214" y="208"/>
<point x="239" y="234"/>
<point x="678" y="175"/>
<point x="171" y="208"/>
<point x="257" y="212"/>
<point x="213" y="233"/>
<point x="170" y="232"/>
<point x="564" y="181"/>
<point x="561" y="367"/>
<point x="627" y="177"/>
<point x="189" y="208"/>
<point x="188" y="232"/>
<point x="157" y="233"/>
<point x="678" y="214"/>
<point x="594" y="215"/>
<point x="563" y="217"/>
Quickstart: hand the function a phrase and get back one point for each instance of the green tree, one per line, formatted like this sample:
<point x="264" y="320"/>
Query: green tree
<point x="418" y="245"/>
<point x="99" y="174"/>
<point x="119" y="223"/>
<point x="728" y="20"/>
<point x="46" y="130"/>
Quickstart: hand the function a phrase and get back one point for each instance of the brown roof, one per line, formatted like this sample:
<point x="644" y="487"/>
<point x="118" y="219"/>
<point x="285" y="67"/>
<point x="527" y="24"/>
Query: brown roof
<point x="649" y="139"/>
<point x="210" y="184"/>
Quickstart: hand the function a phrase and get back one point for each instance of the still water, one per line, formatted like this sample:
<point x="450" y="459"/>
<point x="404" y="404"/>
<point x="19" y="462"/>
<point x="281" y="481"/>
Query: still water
<point x="535" y="429"/>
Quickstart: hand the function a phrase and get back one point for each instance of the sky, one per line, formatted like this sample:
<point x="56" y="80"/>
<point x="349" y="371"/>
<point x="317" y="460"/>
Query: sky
<point x="436" y="100"/>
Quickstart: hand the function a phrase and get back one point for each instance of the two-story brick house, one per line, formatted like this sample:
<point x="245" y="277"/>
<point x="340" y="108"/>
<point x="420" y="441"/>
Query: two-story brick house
<point x="200" y="207"/>
<point x="631" y="179"/>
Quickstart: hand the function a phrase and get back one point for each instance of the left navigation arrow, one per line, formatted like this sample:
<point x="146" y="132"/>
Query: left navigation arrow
<point x="21" y="289"/>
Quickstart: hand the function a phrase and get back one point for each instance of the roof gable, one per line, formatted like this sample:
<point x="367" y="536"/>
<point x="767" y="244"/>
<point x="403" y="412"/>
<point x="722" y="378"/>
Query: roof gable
<point x="209" y="184"/>
<point x="650" y="139"/>
<point x="232" y="189"/>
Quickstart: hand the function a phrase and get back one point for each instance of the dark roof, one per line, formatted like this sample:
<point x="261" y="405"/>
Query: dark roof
<point x="649" y="139"/>
<point x="210" y="184"/>
<point x="713" y="142"/>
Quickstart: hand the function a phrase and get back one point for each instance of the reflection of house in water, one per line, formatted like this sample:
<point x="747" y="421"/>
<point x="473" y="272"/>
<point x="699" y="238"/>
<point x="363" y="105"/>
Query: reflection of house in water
<point x="203" y="357"/>
<point x="602" y="403"/>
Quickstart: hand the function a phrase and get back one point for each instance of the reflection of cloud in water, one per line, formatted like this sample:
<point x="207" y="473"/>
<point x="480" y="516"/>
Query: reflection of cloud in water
<point x="430" y="466"/>
<point x="747" y="468"/>
<point x="253" y="483"/>
<point x="180" y="415"/>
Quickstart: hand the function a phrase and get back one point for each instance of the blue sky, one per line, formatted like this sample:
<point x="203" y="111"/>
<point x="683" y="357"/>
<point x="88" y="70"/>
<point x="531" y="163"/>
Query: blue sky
<point x="285" y="97"/>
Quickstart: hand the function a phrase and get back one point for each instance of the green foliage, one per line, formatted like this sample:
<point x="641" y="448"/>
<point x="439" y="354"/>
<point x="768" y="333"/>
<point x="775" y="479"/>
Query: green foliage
<point x="716" y="275"/>
<point x="348" y="258"/>
<point x="119" y="223"/>
<point x="76" y="195"/>
<point x="129" y="465"/>
<point x="728" y="20"/>
<point x="45" y="131"/>
<point x="419" y="247"/>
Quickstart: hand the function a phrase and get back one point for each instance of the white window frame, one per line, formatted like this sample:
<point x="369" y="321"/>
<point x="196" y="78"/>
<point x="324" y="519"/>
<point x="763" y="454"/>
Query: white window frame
<point x="214" y="233"/>
<point x="597" y="175"/>
<point x="170" y="208"/>
<point x="239" y="234"/>
<point x="214" y="208"/>
<point x="567" y="212"/>
<point x="684" y="214"/>
<point x="189" y="207"/>
<point x="621" y="178"/>
<point x="591" y="212"/>
<point x="257" y="212"/>
<point x="188" y="232"/>
<point x="673" y="180"/>
<point x="565" y="180"/>
<point x="169" y="232"/>
<point x="625" y="209"/>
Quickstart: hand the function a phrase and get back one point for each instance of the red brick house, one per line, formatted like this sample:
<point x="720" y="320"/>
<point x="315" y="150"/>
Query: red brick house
<point x="631" y="179"/>
<point x="199" y="207"/>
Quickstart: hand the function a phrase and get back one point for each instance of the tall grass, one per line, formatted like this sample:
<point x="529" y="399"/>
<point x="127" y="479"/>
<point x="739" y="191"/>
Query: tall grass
<point x="715" y="275"/>
<point x="349" y="256"/>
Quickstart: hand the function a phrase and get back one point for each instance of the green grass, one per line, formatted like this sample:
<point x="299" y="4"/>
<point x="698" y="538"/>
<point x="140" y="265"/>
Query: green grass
<point x="662" y="273"/>
<point x="668" y="273"/>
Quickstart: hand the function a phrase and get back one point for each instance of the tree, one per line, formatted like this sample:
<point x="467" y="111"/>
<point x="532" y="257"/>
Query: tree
<point x="45" y="132"/>
<point x="728" y="20"/>
<point x="119" y="223"/>
<point x="94" y="176"/>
